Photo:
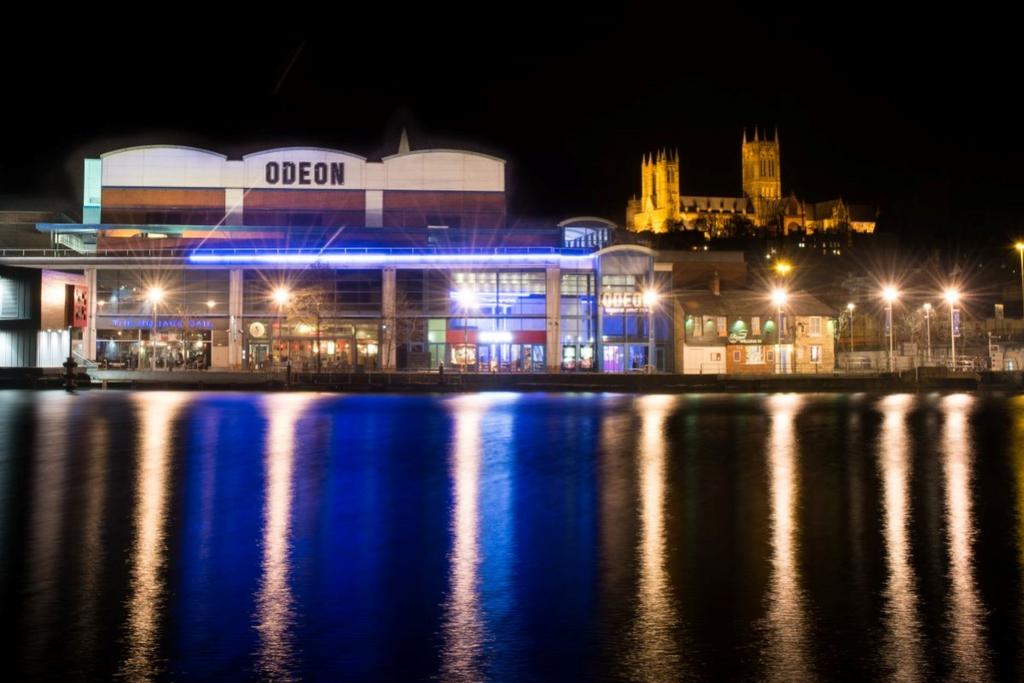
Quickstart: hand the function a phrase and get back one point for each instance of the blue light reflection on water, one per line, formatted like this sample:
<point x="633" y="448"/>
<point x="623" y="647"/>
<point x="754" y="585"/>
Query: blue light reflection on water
<point x="504" y="536"/>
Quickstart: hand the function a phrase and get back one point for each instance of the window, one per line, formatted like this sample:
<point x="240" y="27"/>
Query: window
<point x="720" y="326"/>
<point x="815" y="354"/>
<point x="736" y="356"/>
<point x="715" y="356"/>
<point x="755" y="355"/>
<point x="815" y="326"/>
<point x="755" y="325"/>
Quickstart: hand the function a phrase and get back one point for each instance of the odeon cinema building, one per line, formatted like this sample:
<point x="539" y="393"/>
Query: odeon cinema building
<point x="304" y="256"/>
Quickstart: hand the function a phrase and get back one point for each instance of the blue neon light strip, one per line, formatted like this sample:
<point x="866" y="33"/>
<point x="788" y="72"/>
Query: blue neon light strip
<point x="385" y="259"/>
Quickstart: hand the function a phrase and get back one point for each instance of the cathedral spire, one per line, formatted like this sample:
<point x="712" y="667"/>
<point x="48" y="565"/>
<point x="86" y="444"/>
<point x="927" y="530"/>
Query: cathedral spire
<point x="403" y="142"/>
<point x="744" y="135"/>
<point x="755" y="133"/>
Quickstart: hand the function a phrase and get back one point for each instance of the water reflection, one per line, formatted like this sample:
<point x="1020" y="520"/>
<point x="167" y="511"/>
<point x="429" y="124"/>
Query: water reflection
<point x="275" y="613"/>
<point x="655" y="656"/>
<point x="787" y="656"/>
<point x="156" y="414"/>
<point x="463" y="622"/>
<point x="48" y="498"/>
<point x="92" y="554"/>
<point x="902" y="647"/>
<point x="965" y="612"/>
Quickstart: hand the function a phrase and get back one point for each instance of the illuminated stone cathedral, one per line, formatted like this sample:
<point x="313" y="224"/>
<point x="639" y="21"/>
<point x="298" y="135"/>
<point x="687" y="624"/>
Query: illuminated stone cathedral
<point x="662" y="208"/>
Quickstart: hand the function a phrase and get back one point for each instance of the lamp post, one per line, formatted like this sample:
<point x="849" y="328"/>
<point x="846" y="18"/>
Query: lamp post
<point x="952" y="296"/>
<point x="155" y="296"/>
<point x="849" y="312"/>
<point x="467" y="299"/>
<point x="1020" y="250"/>
<point x="890" y="294"/>
<point x="779" y="299"/>
<point x="928" y="331"/>
<point x="651" y="298"/>
<point x="280" y="297"/>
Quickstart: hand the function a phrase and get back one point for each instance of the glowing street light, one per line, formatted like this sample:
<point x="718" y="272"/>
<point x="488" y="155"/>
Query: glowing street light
<point x="155" y="295"/>
<point x="467" y="299"/>
<point x="1020" y="250"/>
<point x="890" y="294"/>
<point x="849" y="311"/>
<point x="210" y="304"/>
<point x="651" y="297"/>
<point x="928" y="329"/>
<point x="952" y="297"/>
<point x="779" y="297"/>
<point x="783" y="268"/>
<point x="280" y="297"/>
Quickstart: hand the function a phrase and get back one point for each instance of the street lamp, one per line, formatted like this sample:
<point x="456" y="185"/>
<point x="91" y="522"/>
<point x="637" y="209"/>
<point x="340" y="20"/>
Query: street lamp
<point x="890" y="294"/>
<point x="849" y="311"/>
<point x="651" y="298"/>
<point x="155" y="295"/>
<point x="779" y="297"/>
<point x="1020" y="250"/>
<point x="928" y="329"/>
<point x="280" y="297"/>
<point x="466" y="299"/>
<point x="952" y="296"/>
<point x="783" y="268"/>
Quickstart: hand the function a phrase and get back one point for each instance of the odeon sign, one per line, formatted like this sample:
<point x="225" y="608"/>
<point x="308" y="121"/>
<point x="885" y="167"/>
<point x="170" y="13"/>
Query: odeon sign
<point x="622" y="300"/>
<point x="304" y="173"/>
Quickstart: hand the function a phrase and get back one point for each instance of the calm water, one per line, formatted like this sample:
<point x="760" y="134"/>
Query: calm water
<point x="192" y="536"/>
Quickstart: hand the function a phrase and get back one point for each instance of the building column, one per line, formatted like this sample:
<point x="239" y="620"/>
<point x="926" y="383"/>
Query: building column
<point x="89" y="333"/>
<point x="388" y="304"/>
<point x="553" y="307"/>
<point x="678" y="337"/>
<point x="235" y="318"/>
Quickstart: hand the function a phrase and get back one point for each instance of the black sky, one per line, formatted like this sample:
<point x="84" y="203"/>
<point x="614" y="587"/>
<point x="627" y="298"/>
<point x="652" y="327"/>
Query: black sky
<point x="915" y="114"/>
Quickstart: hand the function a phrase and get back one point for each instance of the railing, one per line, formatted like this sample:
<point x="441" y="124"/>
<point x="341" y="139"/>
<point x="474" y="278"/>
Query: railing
<point x="263" y="251"/>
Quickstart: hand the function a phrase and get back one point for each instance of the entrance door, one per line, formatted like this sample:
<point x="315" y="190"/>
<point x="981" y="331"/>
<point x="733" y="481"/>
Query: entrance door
<point x="259" y="353"/>
<point x="613" y="361"/>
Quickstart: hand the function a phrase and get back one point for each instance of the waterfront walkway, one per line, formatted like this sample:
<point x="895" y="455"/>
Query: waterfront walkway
<point x="456" y="382"/>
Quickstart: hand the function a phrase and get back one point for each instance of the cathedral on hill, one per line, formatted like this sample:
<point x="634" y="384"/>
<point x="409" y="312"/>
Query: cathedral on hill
<point x="662" y="208"/>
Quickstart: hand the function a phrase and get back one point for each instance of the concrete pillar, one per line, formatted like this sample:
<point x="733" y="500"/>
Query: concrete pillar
<point x="89" y="333"/>
<point x="553" y="307"/>
<point x="678" y="337"/>
<point x="388" y="303"/>
<point x="235" y="318"/>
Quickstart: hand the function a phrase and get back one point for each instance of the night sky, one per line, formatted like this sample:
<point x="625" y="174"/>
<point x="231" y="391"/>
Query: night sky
<point x="909" y="114"/>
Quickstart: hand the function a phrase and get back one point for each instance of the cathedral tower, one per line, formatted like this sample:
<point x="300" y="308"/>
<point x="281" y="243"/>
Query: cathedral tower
<point x="762" y="171"/>
<point x="659" y="193"/>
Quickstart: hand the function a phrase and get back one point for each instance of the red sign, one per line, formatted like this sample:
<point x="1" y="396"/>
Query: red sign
<point x="76" y="305"/>
<point x="518" y="337"/>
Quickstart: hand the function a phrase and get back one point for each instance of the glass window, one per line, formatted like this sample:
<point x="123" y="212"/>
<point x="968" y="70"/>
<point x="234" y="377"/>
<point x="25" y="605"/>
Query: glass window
<point x="815" y="326"/>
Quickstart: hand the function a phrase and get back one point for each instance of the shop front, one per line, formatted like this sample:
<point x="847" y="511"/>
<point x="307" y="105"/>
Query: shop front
<point x="129" y="342"/>
<point x="340" y="345"/>
<point x="497" y="351"/>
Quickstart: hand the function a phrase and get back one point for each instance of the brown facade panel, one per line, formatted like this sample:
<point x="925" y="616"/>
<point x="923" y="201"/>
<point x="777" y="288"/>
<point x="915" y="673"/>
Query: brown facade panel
<point x="305" y="200"/>
<point x="116" y="198"/>
<point x="398" y="200"/>
<point x="158" y="216"/>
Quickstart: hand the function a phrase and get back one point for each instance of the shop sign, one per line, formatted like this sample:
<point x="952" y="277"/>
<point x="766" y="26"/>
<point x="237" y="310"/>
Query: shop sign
<point x="495" y="337"/>
<point x="620" y="301"/>
<point x="162" y="323"/>
<point x="318" y="173"/>
<point x="257" y="329"/>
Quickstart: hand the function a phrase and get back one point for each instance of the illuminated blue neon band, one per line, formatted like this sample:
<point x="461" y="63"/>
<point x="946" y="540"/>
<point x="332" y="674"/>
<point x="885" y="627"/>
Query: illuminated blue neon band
<point x="583" y="260"/>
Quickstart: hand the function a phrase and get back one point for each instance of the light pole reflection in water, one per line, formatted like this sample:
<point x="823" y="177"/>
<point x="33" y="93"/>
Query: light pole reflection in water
<point x="786" y="656"/>
<point x="902" y="647"/>
<point x="464" y="629"/>
<point x="966" y="614"/>
<point x="655" y="654"/>
<point x="156" y="414"/>
<point x="275" y="614"/>
<point x="44" y="547"/>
